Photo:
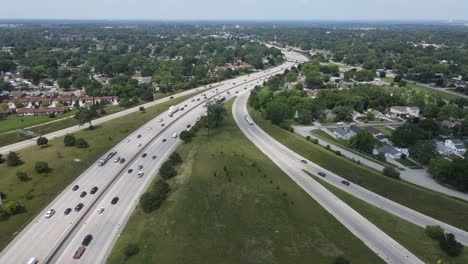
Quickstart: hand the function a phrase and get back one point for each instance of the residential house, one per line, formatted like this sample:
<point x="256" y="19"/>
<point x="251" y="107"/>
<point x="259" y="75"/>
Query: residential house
<point x="451" y="123"/>
<point x="389" y="152"/>
<point x="356" y="115"/>
<point x="343" y="133"/>
<point x="404" y="111"/>
<point x="442" y="149"/>
<point x="41" y="111"/>
<point x="457" y="146"/>
<point x="328" y="115"/>
<point x="354" y="129"/>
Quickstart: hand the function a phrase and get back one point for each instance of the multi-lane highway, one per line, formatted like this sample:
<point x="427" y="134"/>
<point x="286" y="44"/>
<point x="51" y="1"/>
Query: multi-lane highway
<point x="292" y="164"/>
<point x="55" y="239"/>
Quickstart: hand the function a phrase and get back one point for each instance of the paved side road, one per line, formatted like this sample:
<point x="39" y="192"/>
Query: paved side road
<point x="419" y="176"/>
<point x="379" y="242"/>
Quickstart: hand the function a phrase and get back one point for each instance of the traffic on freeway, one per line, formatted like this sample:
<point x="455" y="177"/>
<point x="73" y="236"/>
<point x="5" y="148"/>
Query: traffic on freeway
<point x="102" y="198"/>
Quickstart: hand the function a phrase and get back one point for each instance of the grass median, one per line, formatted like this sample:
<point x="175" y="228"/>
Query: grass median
<point x="444" y="208"/>
<point x="231" y="204"/>
<point x="67" y="163"/>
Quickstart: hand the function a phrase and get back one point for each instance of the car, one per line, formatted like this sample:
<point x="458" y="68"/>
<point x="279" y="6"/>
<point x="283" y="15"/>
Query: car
<point x="122" y="160"/>
<point x="75" y="187"/>
<point x="116" y="159"/>
<point x="304" y="161"/>
<point x="128" y="140"/>
<point x="149" y="128"/>
<point x="139" y="144"/>
<point x="160" y="120"/>
<point x="185" y="105"/>
<point x="67" y="211"/>
<point x="154" y="157"/>
<point x="237" y="91"/>
<point x="79" y="207"/>
<point x="94" y="190"/>
<point x="82" y="194"/>
<point x="100" y="210"/>
<point x="162" y="125"/>
<point x="245" y="88"/>
<point x="139" y="136"/>
<point x="49" y="213"/>
<point x="79" y="252"/>
<point x="345" y="182"/>
<point x="172" y="97"/>
<point x="140" y="167"/>
<point x="144" y="155"/>
<point x="87" y="239"/>
<point x="198" y="99"/>
<point x="182" y="109"/>
<point x="129" y="170"/>
<point x="140" y="174"/>
<point x="189" y="126"/>
<point x="322" y="174"/>
<point x="115" y="200"/>
<point x="32" y="260"/>
<point x="193" y="100"/>
<point x="164" y="140"/>
<point x="174" y="135"/>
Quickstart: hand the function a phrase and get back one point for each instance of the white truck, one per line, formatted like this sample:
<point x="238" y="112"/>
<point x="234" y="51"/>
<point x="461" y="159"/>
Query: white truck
<point x="173" y="109"/>
<point x="109" y="156"/>
<point x="249" y="120"/>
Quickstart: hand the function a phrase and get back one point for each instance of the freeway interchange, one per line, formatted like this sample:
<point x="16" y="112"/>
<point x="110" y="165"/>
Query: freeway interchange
<point x="57" y="238"/>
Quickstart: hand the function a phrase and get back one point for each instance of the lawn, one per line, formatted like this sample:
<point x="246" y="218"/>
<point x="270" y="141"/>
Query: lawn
<point x="44" y="188"/>
<point x="386" y="130"/>
<point x="408" y="163"/>
<point x="422" y="89"/>
<point x="13" y="122"/>
<point x="407" y="234"/>
<point x="439" y="206"/>
<point x="250" y="212"/>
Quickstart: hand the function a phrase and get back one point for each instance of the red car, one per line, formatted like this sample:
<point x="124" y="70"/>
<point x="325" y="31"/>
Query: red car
<point x="79" y="252"/>
<point x="345" y="182"/>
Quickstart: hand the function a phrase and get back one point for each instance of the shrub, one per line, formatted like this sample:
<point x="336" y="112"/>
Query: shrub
<point x="13" y="159"/>
<point x="167" y="170"/>
<point x="51" y="115"/>
<point x="69" y="140"/>
<point x="391" y="173"/>
<point x="341" y="260"/>
<point x="22" y="176"/>
<point x="81" y="143"/>
<point x="307" y="138"/>
<point x="435" y="232"/>
<point x="153" y="199"/>
<point x="450" y="245"/>
<point x="42" y="167"/>
<point x="131" y="250"/>
<point x="13" y="207"/>
<point x="42" y="141"/>
<point x="142" y="108"/>
<point x="175" y="158"/>
<point x="185" y="136"/>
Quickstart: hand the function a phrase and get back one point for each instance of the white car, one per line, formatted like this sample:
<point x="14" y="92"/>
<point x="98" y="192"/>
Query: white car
<point x="100" y="210"/>
<point x="140" y="174"/>
<point x="193" y="100"/>
<point x="174" y="135"/>
<point x="49" y="213"/>
<point x="128" y="140"/>
<point x="116" y="159"/>
<point x="139" y="144"/>
<point x="161" y="119"/>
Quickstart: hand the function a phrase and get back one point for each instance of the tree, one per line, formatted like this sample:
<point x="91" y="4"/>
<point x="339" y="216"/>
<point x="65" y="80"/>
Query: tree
<point x="343" y="113"/>
<point x="13" y="159"/>
<point x="153" y="199"/>
<point x="167" y="170"/>
<point x="64" y="83"/>
<point x="450" y="245"/>
<point x="435" y="232"/>
<point x="131" y="249"/>
<point x="86" y="116"/>
<point x="382" y="74"/>
<point x="42" y="167"/>
<point x="397" y="78"/>
<point x="341" y="260"/>
<point x="175" y="158"/>
<point x="276" y="112"/>
<point x="391" y="172"/>
<point x="407" y="135"/>
<point x="215" y="113"/>
<point x="449" y="111"/>
<point x="423" y="151"/>
<point x="185" y="136"/>
<point x="13" y="207"/>
<point x="364" y="141"/>
<point x="22" y="176"/>
<point x="81" y="143"/>
<point x="42" y="141"/>
<point x="69" y="140"/>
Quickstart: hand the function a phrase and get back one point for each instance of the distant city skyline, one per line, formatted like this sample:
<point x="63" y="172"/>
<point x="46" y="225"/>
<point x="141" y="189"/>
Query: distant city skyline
<point x="444" y="10"/>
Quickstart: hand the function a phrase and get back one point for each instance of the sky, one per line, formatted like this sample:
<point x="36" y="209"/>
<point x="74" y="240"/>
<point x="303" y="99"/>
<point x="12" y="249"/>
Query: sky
<point x="236" y="9"/>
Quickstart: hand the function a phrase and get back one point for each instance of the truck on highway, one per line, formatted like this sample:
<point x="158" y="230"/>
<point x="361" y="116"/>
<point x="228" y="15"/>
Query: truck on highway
<point x="105" y="159"/>
<point x="249" y="120"/>
<point x="173" y="109"/>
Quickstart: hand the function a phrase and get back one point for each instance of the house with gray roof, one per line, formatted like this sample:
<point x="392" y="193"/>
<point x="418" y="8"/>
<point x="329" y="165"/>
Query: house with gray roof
<point x="343" y="133"/>
<point x="457" y="146"/>
<point x="389" y="152"/>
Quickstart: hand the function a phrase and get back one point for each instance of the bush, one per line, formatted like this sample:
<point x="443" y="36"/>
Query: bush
<point x="3" y="215"/>
<point x="185" y="136"/>
<point x="69" y="140"/>
<point x="42" y="141"/>
<point x="13" y="207"/>
<point x="341" y="260"/>
<point x="131" y="250"/>
<point x="1" y="158"/>
<point x="175" y="158"/>
<point x="42" y="167"/>
<point x="81" y="143"/>
<point x="435" y="232"/>
<point x="450" y="245"/>
<point x="391" y="173"/>
<point x="167" y="170"/>
<point x="307" y="138"/>
<point x="142" y="108"/>
<point x="315" y="141"/>
<point x="153" y="199"/>
<point x="13" y="159"/>
<point x="22" y="176"/>
<point x="51" y="115"/>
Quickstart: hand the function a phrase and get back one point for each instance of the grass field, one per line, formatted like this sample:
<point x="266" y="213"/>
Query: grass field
<point x="387" y="131"/>
<point x="237" y="215"/>
<point x="444" y="208"/>
<point x="44" y="188"/>
<point x="13" y="122"/>
<point x="407" y="234"/>
<point x="408" y="163"/>
<point x="422" y="89"/>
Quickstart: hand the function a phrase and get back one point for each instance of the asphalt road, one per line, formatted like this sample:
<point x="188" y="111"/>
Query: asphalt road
<point x="291" y="163"/>
<point x="55" y="240"/>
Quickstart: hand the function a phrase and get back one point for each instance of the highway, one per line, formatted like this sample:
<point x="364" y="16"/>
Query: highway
<point x="56" y="239"/>
<point x="291" y="163"/>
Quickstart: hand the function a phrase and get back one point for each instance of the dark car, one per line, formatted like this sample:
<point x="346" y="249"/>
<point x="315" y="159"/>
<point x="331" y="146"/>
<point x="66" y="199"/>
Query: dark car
<point x="94" y="190"/>
<point x="164" y="140"/>
<point x="129" y="170"/>
<point x="304" y="161"/>
<point x="115" y="200"/>
<point x="154" y="157"/>
<point x="345" y="182"/>
<point x="67" y="211"/>
<point x="182" y="109"/>
<point x="79" y="207"/>
<point x="82" y="194"/>
<point x="185" y="105"/>
<point x="144" y="155"/>
<point x="322" y="174"/>
<point x="237" y="91"/>
<point x="245" y="88"/>
<point x="198" y="99"/>
<point x="140" y="167"/>
<point x="172" y="97"/>
<point x="139" y="136"/>
<point x="75" y="188"/>
<point x="87" y="240"/>
<point x="188" y="126"/>
<point x="162" y="124"/>
<point x="79" y="253"/>
<point x="122" y="160"/>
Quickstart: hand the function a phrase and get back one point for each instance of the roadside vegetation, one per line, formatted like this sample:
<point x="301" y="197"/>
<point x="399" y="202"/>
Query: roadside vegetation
<point x="230" y="204"/>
